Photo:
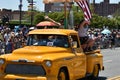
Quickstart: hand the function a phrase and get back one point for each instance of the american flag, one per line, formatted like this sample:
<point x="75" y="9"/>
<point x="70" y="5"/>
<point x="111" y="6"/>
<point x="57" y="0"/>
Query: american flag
<point x="83" y="4"/>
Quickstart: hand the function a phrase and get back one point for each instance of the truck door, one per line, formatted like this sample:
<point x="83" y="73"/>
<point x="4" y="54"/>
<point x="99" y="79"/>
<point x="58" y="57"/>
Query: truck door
<point x="79" y="60"/>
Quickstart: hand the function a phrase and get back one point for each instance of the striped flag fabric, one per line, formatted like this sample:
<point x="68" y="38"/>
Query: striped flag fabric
<point x="83" y="4"/>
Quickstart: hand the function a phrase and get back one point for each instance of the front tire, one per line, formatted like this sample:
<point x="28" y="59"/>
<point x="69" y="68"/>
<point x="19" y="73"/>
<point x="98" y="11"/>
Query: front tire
<point x="62" y="75"/>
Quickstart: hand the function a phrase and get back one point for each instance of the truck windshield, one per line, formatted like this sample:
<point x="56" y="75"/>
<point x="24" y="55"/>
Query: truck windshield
<point x="48" y="40"/>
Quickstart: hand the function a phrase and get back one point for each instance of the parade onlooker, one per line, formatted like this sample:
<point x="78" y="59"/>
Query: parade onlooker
<point x="112" y="39"/>
<point x="2" y="46"/>
<point x="7" y="35"/>
<point x="1" y="35"/>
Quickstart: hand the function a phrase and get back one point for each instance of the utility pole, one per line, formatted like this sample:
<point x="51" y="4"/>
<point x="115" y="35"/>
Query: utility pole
<point x="20" y="7"/>
<point x="32" y="13"/>
<point x="31" y="3"/>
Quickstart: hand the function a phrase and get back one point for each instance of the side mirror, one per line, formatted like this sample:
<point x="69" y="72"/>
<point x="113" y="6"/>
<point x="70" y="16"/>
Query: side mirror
<point x="74" y="44"/>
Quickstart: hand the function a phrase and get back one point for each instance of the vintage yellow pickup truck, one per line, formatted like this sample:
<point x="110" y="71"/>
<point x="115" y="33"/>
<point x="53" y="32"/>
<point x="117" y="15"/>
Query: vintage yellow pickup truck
<point x="51" y="54"/>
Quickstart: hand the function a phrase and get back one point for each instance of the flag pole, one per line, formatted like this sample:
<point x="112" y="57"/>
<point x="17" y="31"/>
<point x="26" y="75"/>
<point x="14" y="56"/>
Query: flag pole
<point x="71" y="16"/>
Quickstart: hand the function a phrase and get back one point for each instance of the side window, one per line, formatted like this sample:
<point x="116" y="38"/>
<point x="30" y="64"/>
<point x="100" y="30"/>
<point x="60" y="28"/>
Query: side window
<point x="75" y="38"/>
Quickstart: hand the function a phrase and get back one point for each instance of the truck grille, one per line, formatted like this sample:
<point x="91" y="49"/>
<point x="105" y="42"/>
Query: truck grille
<point x="25" y="69"/>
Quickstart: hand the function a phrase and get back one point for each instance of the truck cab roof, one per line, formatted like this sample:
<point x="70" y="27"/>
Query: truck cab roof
<point x="53" y="31"/>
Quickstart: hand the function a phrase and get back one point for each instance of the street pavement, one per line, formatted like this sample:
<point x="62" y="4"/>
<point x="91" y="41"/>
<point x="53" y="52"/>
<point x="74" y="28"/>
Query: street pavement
<point x="111" y="63"/>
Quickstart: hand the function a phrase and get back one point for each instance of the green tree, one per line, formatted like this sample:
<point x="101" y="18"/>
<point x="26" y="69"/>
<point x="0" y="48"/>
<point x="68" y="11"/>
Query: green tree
<point x="57" y="16"/>
<point x="97" y="21"/>
<point x="38" y="18"/>
<point x="117" y="21"/>
<point x="78" y="16"/>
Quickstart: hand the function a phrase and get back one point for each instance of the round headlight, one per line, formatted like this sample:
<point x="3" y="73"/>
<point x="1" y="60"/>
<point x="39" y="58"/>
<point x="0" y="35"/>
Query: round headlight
<point x="2" y="61"/>
<point x="48" y="63"/>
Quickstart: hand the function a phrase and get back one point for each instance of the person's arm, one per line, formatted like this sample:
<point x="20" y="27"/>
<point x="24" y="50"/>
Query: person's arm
<point x="86" y="22"/>
<point x="83" y="23"/>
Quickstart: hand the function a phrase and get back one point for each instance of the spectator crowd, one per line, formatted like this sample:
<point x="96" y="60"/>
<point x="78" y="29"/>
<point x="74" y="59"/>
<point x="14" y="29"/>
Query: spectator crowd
<point x="11" y="39"/>
<point x="105" y="40"/>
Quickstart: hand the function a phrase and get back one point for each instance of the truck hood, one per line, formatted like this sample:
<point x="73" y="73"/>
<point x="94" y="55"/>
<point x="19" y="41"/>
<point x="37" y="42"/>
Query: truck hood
<point x="39" y="50"/>
<point x="39" y="53"/>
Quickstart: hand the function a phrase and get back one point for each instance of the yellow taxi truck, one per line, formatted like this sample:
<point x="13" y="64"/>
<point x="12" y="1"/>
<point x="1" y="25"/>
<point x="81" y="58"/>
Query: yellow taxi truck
<point x="51" y="54"/>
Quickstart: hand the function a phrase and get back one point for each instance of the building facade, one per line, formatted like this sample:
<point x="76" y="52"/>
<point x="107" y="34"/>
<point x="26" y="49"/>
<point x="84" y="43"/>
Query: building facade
<point x="104" y="8"/>
<point x="12" y="15"/>
<point x="56" y="7"/>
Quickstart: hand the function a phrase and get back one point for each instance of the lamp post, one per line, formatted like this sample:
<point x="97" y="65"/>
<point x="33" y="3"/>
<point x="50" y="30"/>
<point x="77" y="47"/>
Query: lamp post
<point x="31" y="12"/>
<point x="20" y="7"/>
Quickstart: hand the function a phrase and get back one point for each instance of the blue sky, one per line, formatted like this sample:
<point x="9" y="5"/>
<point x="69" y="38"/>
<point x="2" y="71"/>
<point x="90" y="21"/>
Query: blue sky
<point x="13" y="4"/>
